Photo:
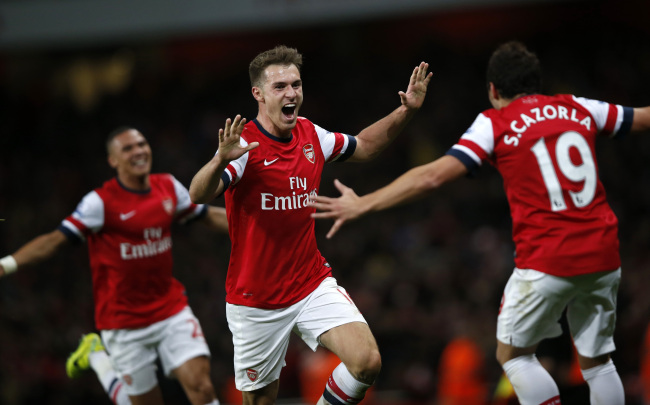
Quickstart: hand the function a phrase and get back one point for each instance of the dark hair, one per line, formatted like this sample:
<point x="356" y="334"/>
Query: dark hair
<point x="514" y="70"/>
<point x="114" y="133"/>
<point x="280" y="55"/>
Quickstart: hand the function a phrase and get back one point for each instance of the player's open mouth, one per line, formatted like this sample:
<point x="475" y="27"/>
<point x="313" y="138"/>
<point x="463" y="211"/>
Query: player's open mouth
<point x="289" y="110"/>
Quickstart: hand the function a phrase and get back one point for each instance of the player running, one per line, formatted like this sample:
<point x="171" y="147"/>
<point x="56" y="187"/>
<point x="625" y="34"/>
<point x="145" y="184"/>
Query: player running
<point x="278" y="282"/>
<point x="564" y="231"/>
<point x="140" y="308"/>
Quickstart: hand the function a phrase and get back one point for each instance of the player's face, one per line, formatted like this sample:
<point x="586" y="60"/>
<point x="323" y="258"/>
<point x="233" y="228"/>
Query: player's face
<point x="130" y="154"/>
<point x="280" y="98"/>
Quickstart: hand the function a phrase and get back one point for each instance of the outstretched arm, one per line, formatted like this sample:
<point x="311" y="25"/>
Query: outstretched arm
<point x="375" y="138"/>
<point x="216" y="219"/>
<point x="37" y="250"/>
<point x="207" y="184"/>
<point x="410" y="186"/>
<point x="641" y="120"/>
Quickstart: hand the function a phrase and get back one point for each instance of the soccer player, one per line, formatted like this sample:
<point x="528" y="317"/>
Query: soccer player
<point x="564" y="231"/>
<point x="278" y="282"/>
<point x="140" y="308"/>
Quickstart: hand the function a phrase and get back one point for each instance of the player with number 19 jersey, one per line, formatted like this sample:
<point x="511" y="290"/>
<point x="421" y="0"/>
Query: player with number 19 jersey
<point x="544" y="148"/>
<point x="130" y="249"/>
<point x="274" y="260"/>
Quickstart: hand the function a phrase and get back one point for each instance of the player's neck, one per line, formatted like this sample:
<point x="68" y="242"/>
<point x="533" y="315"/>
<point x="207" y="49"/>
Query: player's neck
<point x="138" y="183"/>
<point x="270" y="127"/>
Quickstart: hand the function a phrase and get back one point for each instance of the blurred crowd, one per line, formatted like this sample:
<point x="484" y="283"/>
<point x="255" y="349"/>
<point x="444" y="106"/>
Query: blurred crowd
<point x="428" y="277"/>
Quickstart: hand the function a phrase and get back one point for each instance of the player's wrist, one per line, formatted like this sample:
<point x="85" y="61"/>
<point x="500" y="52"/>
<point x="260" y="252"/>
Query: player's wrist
<point x="9" y="264"/>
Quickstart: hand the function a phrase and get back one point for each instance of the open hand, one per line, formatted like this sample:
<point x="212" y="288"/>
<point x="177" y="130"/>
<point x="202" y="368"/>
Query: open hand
<point x="417" y="88"/>
<point x="344" y="208"/>
<point x="229" y="140"/>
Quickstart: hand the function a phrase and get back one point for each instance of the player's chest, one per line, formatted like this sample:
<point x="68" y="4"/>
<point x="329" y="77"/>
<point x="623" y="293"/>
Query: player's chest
<point x="132" y="215"/>
<point x="278" y="165"/>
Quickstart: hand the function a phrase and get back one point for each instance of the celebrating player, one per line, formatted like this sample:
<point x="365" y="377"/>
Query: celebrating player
<point x="140" y="308"/>
<point x="278" y="281"/>
<point x="564" y="231"/>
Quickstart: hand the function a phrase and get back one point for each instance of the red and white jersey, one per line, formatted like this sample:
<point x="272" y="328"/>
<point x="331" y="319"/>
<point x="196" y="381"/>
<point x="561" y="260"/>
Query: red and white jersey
<point x="544" y="148"/>
<point x="130" y="249"/>
<point x="274" y="261"/>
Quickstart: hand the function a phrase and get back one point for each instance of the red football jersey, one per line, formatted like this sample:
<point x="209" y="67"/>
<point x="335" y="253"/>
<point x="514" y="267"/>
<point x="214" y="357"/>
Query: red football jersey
<point x="544" y="148"/>
<point x="274" y="261"/>
<point x="130" y="249"/>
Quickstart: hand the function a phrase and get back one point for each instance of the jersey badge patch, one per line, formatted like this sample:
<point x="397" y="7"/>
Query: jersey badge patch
<point x="308" y="150"/>
<point x="168" y="205"/>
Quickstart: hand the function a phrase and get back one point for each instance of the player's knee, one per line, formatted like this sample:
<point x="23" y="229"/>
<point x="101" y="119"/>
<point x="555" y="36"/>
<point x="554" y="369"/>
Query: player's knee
<point x="368" y="368"/>
<point x="202" y="390"/>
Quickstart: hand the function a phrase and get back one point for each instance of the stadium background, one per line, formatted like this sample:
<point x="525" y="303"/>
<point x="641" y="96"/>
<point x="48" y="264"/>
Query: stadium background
<point x="423" y="275"/>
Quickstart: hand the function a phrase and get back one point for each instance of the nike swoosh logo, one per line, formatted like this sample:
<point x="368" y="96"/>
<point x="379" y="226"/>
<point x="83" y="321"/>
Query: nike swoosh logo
<point x="126" y="216"/>
<point x="266" y="162"/>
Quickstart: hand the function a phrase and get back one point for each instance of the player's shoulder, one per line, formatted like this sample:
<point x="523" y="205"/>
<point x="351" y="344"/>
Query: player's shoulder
<point x="162" y="181"/>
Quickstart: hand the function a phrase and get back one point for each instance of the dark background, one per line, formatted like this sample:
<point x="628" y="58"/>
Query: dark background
<point x="421" y="274"/>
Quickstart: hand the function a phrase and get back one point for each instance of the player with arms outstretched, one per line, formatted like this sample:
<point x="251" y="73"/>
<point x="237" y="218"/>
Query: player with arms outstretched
<point x="564" y="231"/>
<point x="140" y="308"/>
<point x="278" y="281"/>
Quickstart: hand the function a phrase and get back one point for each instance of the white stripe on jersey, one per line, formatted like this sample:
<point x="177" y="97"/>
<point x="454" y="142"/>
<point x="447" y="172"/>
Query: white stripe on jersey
<point x="469" y="153"/>
<point x="328" y="141"/>
<point x="89" y="212"/>
<point x="481" y="133"/>
<point x="184" y="201"/>
<point x="600" y="110"/>
<point x="239" y="164"/>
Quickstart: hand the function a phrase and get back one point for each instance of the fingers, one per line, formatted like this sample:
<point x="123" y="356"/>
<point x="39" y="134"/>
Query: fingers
<point x="251" y="146"/>
<point x="340" y="186"/>
<point x="337" y="225"/>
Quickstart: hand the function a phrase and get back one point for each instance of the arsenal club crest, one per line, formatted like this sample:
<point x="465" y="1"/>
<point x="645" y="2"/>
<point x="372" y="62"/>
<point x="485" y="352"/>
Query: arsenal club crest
<point x="168" y="205"/>
<point x="252" y="374"/>
<point x="308" y="150"/>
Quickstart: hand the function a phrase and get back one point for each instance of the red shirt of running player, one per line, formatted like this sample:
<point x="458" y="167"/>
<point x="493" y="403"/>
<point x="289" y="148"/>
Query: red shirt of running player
<point x="130" y="249"/>
<point x="274" y="261"/>
<point x="544" y="148"/>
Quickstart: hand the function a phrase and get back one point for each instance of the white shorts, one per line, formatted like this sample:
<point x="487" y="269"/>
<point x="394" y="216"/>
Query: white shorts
<point x="133" y="352"/>
<point x="533" y="303"/>
<point x="261" y="336"/>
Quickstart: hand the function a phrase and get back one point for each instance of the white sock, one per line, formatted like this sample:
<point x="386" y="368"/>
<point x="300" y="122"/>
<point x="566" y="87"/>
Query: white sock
<point x="342" y="388"/>
<point x="532" y="383"/>
<point x="101" y="364"/>
<point x="605" y="386"/>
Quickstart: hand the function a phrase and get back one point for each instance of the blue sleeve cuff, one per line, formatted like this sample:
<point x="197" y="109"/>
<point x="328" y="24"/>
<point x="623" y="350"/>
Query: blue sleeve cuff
<point x="72" y="237"/>
<point x="626" y="125"/>
<point x="470" y="164"/>
<point x="352" y="146"/>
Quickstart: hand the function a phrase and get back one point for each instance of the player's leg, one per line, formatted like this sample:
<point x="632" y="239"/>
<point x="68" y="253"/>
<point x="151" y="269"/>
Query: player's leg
<point x="194" y="377"/>
<point x="91" y="354"/>
<point x="532" y="306"/>
<point x="329" y="317"/>
<point x="530" y="380"/>
<point x="260" y="341"/>
<point x="592" y="319"/>
<point x="133" y="357"/>
<point x="262" y="396"/>
<point x="360" y="364"/>
<point x="184" y="354"/>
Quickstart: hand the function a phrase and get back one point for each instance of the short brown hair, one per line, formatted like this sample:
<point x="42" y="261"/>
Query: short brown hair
<point x="114" y="133"/>
<point x="280" y="55"/>
<point x="514" y="70"/>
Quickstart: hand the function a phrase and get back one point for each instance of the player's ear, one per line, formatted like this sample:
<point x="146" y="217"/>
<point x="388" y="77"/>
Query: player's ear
<point x="494" y="93"/>
<point x="112" y="162"/>
<point x="257" y="93"/>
